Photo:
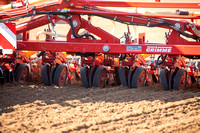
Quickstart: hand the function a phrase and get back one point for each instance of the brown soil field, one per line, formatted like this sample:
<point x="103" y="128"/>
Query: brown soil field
<point x="33" y="107"/>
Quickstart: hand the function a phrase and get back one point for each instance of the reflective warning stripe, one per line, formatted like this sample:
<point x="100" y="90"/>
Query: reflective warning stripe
<point x="6" y="51"/>
<point x="8" y="34"/>
<point x="8" y="42"/>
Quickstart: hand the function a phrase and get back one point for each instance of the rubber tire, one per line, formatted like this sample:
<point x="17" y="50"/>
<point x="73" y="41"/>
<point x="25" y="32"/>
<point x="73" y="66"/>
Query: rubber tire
<point x="136" y="75"/>
<point x="6" y="75"/>
<point x="171" y="79"/>
<point x="163" y="79"/>
<point x="97" y="76"/>
<point x="45" y="74"/>
<point x="177" y="78"/>
<point x="19" y="70"/>
<point x="53" y="69"/>
<point x="12" y="76"/>
<point x="57" y="74"/>
<point x="130" y="77"/>
<point x="122" y="76"/>
<point x="2" y="78"/>
<point x="91" y="75"/>
<point x="84" y="76"/>
<point x="116" y="77"/>
<point x="1" y="72"/>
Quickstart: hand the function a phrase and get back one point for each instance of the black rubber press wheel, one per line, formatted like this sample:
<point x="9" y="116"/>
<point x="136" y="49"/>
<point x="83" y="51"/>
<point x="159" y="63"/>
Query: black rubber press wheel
<point x="100" y="77"/>
<point x="123" y="74"/>
<point x="21" y="73"/>
<point x="164" y="78"/>
<point x="139" y="77"/>
<point x="180" y="79"/>
<point x="91" y="75"/>
<point x="85" y="76"/>
<point x="130" y="77"/>
<point x="60" y="75"/>
<point x="45" y="71"/>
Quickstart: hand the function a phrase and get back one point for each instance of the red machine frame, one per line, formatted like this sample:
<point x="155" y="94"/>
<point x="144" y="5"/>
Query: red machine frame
<point x="175" y="42"/>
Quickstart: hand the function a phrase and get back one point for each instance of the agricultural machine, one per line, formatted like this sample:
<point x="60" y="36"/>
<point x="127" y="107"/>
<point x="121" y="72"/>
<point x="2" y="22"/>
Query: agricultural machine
<point x="98" y="57"/>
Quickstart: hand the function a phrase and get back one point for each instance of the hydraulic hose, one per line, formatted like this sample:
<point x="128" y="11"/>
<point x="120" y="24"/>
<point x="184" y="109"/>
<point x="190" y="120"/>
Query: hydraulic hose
<point x="164" y="23"/>
<point x="52" y="13"/>
<point x="122" y="57"/>
<point x="159" y="63"/>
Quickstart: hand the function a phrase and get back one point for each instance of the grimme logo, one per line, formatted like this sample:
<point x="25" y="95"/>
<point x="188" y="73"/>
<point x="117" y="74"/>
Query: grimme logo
<point x="159" y="49"/>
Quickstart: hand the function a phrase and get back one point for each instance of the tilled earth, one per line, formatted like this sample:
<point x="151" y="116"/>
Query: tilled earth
<point x="37" y="108"/>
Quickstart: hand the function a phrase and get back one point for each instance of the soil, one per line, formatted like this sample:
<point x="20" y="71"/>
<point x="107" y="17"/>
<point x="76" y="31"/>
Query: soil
<point x="31" y="107"/>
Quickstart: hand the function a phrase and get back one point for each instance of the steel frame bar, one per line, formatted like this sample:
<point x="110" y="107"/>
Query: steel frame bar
<point x="32" y="24"/>
<point x="179" y="47"/>
<point x="23" y="11"/>
<point x="116" y="13"/>
<point x="130" y="3"/>
<point x="52" y="6"/>
<point x="146" y="48"/>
